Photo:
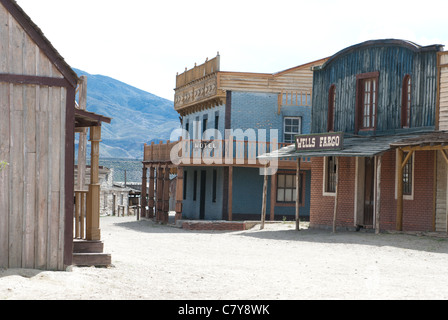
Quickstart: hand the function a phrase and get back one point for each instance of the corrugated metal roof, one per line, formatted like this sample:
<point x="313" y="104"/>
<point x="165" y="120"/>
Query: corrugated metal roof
<point x="358" y="146"/>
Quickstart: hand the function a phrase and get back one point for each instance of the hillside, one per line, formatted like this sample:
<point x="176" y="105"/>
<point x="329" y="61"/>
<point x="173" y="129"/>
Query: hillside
<point x="137" y="116"/>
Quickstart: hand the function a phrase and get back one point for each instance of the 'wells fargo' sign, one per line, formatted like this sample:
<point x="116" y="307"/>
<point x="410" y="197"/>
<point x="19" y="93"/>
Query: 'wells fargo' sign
<point x="320" y="142"/>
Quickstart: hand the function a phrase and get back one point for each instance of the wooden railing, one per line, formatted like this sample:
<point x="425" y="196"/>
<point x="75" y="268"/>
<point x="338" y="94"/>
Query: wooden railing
<point x="80" y="214"/>
<point x="211" y="151"/>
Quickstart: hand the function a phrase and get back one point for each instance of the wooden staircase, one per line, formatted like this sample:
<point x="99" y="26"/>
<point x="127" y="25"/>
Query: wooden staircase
<point x="90" y="253"/>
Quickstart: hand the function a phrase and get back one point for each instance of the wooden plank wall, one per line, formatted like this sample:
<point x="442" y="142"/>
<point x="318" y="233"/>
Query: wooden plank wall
<point x="392" y="62"/>
<point x="295" y="79"/>
<point x="443" y="90"/>
<point x="32" y="141"/>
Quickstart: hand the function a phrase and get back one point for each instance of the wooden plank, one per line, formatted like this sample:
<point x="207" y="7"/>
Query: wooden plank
<point x="298" y="182"/>
<point x="378" y="193"/>
<point x="4" y="175"/>
<point x="42" y="175"/>
<point x="62" y="177"/>
<point x="16" y="178"/>
<point x="4" y="41"/>
<point x="263" y="205"/>
<point x="335" y="209"/>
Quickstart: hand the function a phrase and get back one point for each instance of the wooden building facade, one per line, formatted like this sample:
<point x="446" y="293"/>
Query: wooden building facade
<point x="387" y="99"/>
<point x="211" y="101"/>
<point x="37" y="129"/>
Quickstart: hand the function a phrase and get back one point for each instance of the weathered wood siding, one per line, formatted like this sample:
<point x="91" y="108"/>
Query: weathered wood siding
<point x="393" y="61"/>
<point x="32" y="141"/>
<point x="441" y="195"/>
<point x="295" y="79"/>
<point x="443" y="91"/>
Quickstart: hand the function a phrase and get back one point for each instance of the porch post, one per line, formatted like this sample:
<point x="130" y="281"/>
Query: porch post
<point x="179" y="193"/>
<point x="230" y="192"/>
<point x="159" y="193"/>
<point x="166" y="194"/>
<point x="298" y="182"/>
<point x="93" y="197"/>
<point x="378" y="194"/>
<point x="399" y="219"/>
<point x="143" y="194"/>
<point x="265" y="191"/>
<point x="335" y="210"/>
<point x="151" y="192"/>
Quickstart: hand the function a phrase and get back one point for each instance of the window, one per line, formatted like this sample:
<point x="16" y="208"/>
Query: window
<point x="204" y="124"/>
<point x="217" y="121"/>
<point x="331" y="108"/>
<point x="406" y="102"/>
<point x="187" y="130"/>
<point x="407" y="175"/>
<point x="367" y="90"/>
<point x="330" y="174"/>
<point x="292" y="127"/>
<point x="286" y="188"/>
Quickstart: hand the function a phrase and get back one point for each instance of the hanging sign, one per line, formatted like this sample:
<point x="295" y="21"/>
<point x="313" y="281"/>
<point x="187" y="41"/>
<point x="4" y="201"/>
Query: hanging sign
<point x="320" y="141"/>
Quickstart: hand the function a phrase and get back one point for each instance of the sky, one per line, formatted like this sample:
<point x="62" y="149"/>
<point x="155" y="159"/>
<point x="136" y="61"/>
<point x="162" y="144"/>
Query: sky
<point x="144" y="43"/>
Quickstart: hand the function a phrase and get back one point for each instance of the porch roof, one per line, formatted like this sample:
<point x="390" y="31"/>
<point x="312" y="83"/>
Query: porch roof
<point x="85" y="118"/>
<point x="363" y="146"/>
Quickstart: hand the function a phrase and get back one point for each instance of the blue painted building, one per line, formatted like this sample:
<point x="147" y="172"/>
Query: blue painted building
<point x="233" y="116"/>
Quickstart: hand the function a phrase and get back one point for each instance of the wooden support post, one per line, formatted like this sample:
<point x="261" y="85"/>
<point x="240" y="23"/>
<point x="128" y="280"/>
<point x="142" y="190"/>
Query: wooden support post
<point x="335" y="210"/>
<point x="166" y="195"/>
<point x="150" y="213"/>
<point x="159" y="193"/>
<point x="230" y="192"/>
<point x="298" y="195"/>
<point x="179" y="193"/>
<point x="143" y="194"/>
<point x="399" y="218"/>
<point x="82" y="144"/>
<point x="265" y="191"/>
<point x="273" y="196"/>
<point x="93" y="200"/>
<point x="378" y="194"/>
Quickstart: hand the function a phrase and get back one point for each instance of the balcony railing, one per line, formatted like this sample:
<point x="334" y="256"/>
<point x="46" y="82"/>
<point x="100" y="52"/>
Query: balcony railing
<point x="211" y="152"/>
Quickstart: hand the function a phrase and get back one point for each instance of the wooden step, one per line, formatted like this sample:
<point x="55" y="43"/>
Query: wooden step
<point x="85" y="246"/>
<point x="92" y="259"/>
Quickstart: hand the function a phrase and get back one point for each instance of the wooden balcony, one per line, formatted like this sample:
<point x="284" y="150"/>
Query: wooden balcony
<point x="213" y="152"/>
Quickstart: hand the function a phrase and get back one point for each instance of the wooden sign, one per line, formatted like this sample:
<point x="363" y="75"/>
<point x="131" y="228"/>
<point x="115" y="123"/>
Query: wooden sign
<point x="320" y="141"/>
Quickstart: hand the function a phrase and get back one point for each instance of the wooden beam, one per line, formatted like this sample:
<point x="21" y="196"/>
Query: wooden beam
<point x="378" y="193"/>
<point x="336" y="195"/>
<point x="298" y="181"/>
<point x="143" y="193"/>
<point x="93" y="200"/>
<point x="230" y="200"/>
<point x="409" y="155"/>
<point x="399" y="218"/>
<point x="273" y="196"/>
<point x="265" y="191"/>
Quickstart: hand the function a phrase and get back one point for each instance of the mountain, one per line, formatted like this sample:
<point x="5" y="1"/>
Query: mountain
<point x="138" y="117"/>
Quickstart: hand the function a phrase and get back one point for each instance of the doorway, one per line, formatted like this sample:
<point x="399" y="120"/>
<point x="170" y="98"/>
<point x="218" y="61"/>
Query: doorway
<point x="202" y="195"/>
<point x="365" y="192"/>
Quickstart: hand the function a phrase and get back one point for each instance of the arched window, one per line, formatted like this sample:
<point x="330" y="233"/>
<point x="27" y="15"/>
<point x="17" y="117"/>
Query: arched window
<point x="331" y="108"/>
<point x="406" y="102"/>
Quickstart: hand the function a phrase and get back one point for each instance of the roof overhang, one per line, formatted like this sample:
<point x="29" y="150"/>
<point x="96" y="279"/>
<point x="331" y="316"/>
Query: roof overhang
<point x="369" y="146"/>
<point x="85" y="119"/>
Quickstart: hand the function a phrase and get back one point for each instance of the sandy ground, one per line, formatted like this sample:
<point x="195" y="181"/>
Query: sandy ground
<point x="151" y="261"/>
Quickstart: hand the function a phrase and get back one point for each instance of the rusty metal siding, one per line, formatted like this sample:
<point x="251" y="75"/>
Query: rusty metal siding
<point x="393" y="62"/>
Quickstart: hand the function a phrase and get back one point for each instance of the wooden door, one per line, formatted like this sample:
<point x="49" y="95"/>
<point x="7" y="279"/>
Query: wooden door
<point x="369" y="194"/>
